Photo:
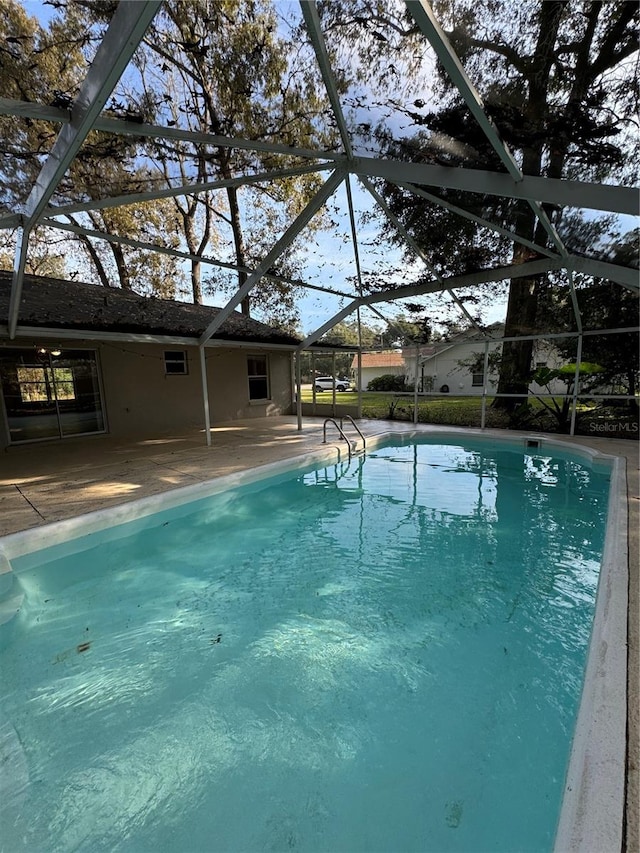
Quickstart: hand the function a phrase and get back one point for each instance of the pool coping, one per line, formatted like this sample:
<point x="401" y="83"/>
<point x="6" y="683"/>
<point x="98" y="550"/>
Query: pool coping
<point x="592" y="812"/>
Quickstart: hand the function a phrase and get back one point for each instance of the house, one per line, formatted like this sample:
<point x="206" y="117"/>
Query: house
<point x="455" y="366"/>
<point x="441" y="368"/>
<point x="87" y="359"/>
<point x="375" y="364"/>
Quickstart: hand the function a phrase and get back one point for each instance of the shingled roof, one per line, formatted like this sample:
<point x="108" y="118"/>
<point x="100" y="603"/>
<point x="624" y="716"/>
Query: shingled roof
<point x="379" y="359"/>
<point x="58" y="304"/>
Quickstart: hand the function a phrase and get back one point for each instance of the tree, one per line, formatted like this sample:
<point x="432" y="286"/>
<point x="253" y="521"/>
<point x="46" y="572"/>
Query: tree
<point x="545" y="377"/>
<point x="403" y="332"/>
<point x="553" y="79"/>
<point x="346" y="334"/>
<point x="559" y="125"/>
<point x="48" y="65"/>
<point x="37" y="65"/>
<point x="214" y="67"/>
<point x="43" y="258"/>
<point x="225" y="68"/>
<point x="617" y="355"/>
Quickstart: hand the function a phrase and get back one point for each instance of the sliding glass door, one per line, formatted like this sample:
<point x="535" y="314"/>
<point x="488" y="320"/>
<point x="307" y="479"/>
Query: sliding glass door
<point x="51" y="393"/>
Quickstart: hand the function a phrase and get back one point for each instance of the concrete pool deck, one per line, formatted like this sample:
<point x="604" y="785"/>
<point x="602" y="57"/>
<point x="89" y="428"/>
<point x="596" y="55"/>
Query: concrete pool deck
<point x="43" y="483"/>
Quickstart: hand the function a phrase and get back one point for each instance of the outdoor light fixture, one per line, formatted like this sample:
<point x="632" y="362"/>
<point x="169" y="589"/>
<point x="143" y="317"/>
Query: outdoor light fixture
<point x="43" y="352"/>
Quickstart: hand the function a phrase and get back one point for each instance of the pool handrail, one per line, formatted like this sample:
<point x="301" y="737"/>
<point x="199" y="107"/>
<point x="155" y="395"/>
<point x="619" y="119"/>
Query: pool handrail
<point x="356" y="427"/>
<point x="340" y="430"/>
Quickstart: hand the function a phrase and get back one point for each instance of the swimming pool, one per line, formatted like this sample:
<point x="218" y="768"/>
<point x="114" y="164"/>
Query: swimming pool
<point x="371" y="656"/>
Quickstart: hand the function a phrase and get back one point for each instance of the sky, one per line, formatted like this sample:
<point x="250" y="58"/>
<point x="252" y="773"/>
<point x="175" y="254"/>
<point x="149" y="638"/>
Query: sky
<point x="39" y="9"/>
<point x="329" y="260"/>
<point x="327" y="257"/>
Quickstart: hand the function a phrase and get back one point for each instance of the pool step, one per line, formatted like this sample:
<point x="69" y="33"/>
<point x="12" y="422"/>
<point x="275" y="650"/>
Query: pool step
<point x="14" y="773"/>
<point x="11" y="597"/>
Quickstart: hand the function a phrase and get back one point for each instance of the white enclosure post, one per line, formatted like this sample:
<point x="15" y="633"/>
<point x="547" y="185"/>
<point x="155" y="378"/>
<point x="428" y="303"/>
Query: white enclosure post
<point x="485" y="380"/>
<point x="416" y="373"/>
<point x="205" y="394"/>
<point x="359" y="383"/>
<point x="333" y="373"/>
<point x="359" y="364"/>
<point x="313" y="380"/>
<point x="576" y="385"/>
<point x="299" y="389"/>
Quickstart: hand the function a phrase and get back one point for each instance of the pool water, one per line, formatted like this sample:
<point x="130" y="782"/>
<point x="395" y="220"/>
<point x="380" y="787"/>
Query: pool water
<point x="380" y="656"/>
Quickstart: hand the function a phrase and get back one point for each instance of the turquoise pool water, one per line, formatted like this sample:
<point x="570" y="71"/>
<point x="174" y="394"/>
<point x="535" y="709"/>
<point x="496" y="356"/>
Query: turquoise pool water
<point x="385" y="656"/>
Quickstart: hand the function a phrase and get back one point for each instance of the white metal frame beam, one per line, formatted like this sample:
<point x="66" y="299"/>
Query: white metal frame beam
<point x="171" y="192"/>
<point x="525" y="270"/>
<point x="187" y="256"/>
<point x="303" y="219"/>
<point x="613" y="199"/>
<point x="426" y="20"/>
<point x="423" y="15"/>
<point x="314" y="29"/>
<point x="41" y="112"/>
<point x="331" y="322"/>
<point x="484" y="223"/>
<point x="581" y="194"/>
<point x="626" y="276"/>
<point x="126" y="29"/>
<point x="529" y="268"/>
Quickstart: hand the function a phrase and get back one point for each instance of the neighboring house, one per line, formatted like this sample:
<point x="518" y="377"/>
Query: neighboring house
<point x="88" y="359"/>
<point x="377" y="364"/>
<point x="439" y="367"/>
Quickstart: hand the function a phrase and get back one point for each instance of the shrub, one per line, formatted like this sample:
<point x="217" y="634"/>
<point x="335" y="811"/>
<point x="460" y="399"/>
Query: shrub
<point x="389" y="382"/>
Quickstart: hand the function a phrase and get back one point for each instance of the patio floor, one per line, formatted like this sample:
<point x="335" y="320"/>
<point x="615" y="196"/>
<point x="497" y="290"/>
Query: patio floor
<point x="42" y="483"/>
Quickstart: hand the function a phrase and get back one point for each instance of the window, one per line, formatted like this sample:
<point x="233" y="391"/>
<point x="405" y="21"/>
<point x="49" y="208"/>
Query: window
<point x="43" y="384"/>
<point x="477" y="379"/>
<point x="175" y="362"/>
<point x="49" y="395"/>
<point x="32" y="384"/>
<point x="540" y="364"/>
<point x="258" y="370"/>
<point x="63" y="381"/>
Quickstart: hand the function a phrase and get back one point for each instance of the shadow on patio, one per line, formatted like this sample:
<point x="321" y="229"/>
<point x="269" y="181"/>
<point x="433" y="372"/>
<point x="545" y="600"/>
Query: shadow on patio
<point x="47" y="482"/>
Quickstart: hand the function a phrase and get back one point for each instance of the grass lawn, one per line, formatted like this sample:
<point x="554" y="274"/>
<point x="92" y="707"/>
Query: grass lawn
<point x="467" y="411"/>
<point x="453" y="411"/>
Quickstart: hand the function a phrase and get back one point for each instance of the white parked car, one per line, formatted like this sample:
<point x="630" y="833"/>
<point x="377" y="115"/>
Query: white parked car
<point x="326" y="383"/>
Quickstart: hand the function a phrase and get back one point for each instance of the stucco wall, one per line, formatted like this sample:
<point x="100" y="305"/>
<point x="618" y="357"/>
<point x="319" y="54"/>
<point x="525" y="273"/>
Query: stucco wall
<point x="139" y="397"/>
<point x="4" y="434"/>
<point x="229" y="385"/>
<point x="445" y="369"/>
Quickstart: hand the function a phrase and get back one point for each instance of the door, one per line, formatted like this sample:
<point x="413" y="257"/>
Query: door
<point x="51" y="393"/>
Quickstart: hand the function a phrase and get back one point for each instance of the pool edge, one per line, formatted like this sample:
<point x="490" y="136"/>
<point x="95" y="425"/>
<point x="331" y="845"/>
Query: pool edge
<point x="592" y="812"/>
